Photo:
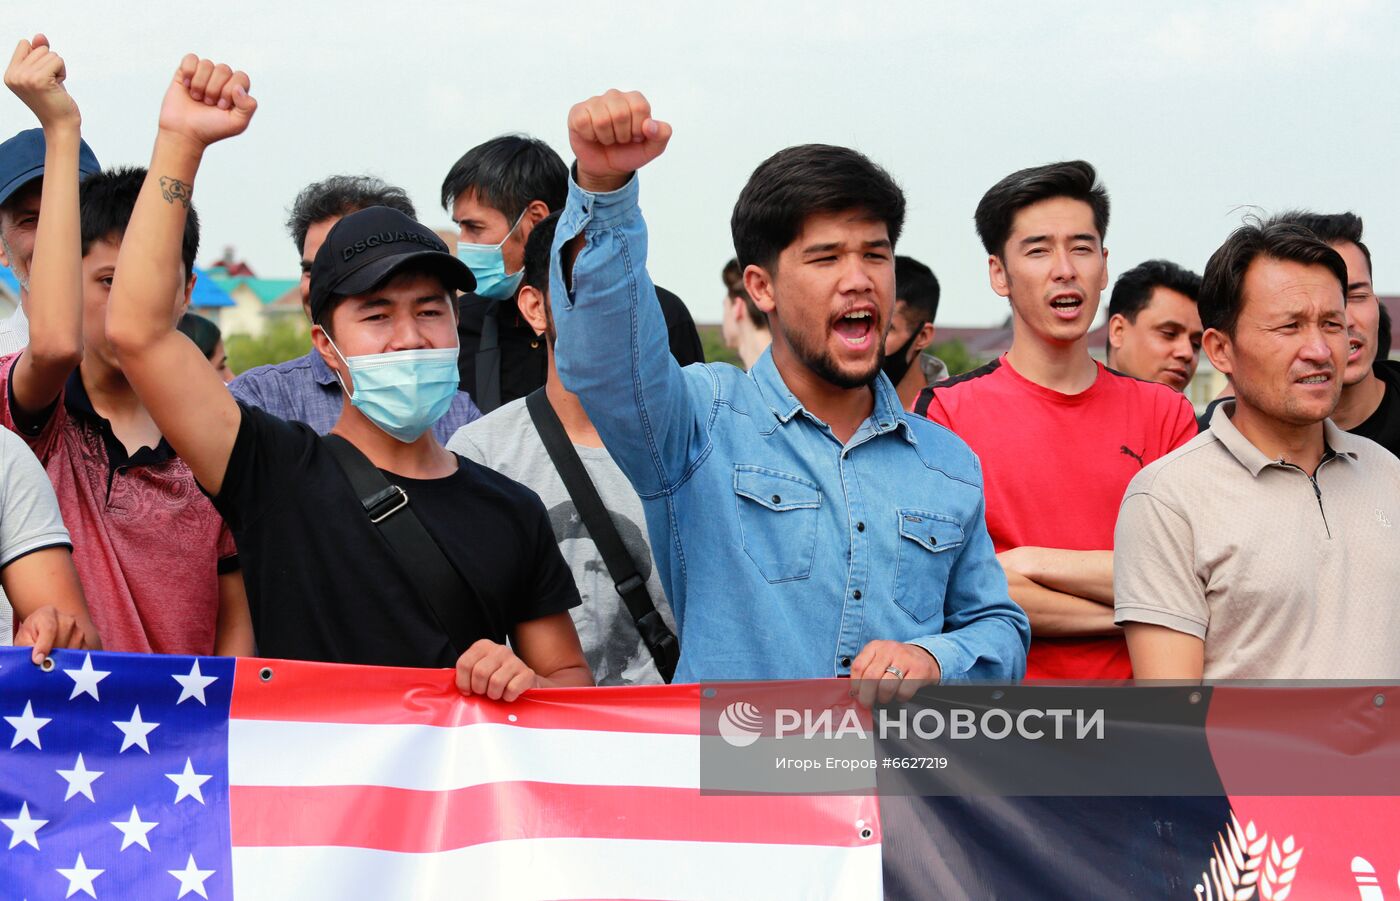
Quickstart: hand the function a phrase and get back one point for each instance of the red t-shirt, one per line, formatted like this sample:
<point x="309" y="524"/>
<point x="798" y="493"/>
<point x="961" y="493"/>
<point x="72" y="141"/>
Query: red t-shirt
<point x="1055" y="468"/>
<point x="147" y="543"/>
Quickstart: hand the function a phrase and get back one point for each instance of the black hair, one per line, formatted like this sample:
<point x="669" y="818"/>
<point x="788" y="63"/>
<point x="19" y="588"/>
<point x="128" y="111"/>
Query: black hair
<point x="798" y="182"/>
<point x="1134" y="288"/>
<point x="508" y="173"/>
<point x="341" y="195"/>
<point x="998" y="207"/>
<point x="917" y="286"/>
<point x="1333" y="228"/>
<point x="537" y="247"/>
<point x="205" y="334"/>
<point x="105" y="202"/>
<point x="1383" y="335"/>
<point x="1222" y="286"/>
<point x="734" y="286"/>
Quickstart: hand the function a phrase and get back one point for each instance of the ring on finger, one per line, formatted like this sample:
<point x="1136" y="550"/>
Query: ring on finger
<point x="895" y="671"/>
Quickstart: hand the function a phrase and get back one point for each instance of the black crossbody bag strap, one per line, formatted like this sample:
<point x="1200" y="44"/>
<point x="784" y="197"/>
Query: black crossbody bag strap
<point x="656" y="635"/>
<point x="451" y="599"/>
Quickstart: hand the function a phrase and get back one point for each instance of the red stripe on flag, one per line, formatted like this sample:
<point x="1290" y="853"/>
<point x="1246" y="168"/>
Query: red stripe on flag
<point x="402" y="820"/>
<point x="319" y="692"/>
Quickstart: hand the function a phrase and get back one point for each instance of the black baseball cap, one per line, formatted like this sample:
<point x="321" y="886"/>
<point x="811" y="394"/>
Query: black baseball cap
<point x="365" y="249"/>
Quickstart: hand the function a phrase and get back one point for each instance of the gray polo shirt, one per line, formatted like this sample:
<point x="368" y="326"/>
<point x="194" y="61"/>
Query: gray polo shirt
<point x="1283" y="576"/>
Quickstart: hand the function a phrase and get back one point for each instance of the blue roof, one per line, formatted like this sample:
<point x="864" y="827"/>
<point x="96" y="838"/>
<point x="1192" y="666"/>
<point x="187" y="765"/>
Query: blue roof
<point x="208" y="293"/>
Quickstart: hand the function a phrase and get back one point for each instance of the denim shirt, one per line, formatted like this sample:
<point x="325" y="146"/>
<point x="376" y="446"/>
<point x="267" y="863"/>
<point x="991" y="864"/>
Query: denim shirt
<point x="306" y="390"/>
<point x="783" y="552"/>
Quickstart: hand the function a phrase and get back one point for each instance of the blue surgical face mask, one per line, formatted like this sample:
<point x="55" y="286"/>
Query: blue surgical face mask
<point x="488" y="265"/>
<point x="404" y="392"/>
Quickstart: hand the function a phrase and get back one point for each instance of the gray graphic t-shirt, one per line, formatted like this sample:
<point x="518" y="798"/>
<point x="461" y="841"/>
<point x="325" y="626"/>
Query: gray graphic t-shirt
<point x="506" y="440"/>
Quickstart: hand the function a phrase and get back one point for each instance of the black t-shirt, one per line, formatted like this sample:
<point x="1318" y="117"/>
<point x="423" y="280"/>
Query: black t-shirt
<point x="1383" y="426"/>
<point x="323" y="584"/>
<point x="523" y="364"/>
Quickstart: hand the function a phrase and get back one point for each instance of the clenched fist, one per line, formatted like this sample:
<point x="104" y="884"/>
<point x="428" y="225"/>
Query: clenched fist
<point x="36" y="76"/>
<point x="614" y="135"/>
<point x="206" y="102"/>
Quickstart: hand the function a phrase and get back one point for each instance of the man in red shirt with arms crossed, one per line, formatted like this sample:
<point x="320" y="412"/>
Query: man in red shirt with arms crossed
<point x="1059" y="436"/>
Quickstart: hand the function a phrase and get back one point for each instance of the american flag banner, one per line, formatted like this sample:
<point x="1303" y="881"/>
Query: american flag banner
<point x="152" y="777"/>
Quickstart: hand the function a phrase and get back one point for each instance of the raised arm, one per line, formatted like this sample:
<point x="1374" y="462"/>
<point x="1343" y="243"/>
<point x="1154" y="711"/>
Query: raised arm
<point x="612" y="348"/>
<point x="55" y="303"/>
<point x="185" y="396"/>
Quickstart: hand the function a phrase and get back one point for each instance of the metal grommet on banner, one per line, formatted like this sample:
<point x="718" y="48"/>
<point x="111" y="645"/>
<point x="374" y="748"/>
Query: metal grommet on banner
<point x="1378" y="700"/>
<point x="1194" y="697"/>
<point x="512" y="717"/>
<point x="708" y="692"/>
<point x="998" y="695"/>
<point x="47" y="665"/>
<point x="265" y="674"/>
<point x="866" y="832"/>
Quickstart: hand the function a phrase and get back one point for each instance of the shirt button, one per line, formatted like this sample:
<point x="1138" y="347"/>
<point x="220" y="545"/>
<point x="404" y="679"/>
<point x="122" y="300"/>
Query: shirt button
<point x="777" y="500"/>
<point x="856" y="594"/>
<point x="860" y="527"/>
<point x="845" y="661"/>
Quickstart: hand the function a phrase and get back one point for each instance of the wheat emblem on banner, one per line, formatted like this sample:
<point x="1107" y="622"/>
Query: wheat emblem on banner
<point x="1240" y="866"/>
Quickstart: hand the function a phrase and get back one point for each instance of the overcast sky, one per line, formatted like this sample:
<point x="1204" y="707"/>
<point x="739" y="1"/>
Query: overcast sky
<point x="1190" y="111"/>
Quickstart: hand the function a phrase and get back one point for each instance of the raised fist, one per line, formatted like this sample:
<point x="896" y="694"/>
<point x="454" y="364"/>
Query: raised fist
<point x="206" y="102"/>
<point x="36" y="75"/>
<point x="614" y="135"/>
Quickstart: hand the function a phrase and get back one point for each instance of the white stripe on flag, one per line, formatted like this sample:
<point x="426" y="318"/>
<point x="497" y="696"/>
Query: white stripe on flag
<point x="437" y="758"/>
<point x="561" y="868"/>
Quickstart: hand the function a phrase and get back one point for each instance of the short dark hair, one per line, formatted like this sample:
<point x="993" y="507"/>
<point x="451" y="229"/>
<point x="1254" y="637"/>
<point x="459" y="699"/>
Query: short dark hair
<point x="998" y="207"/>
<point x="341" y="195"/>
<point x="1383" y="338"/>
<point x="537" y="252"/>
<point x="204" y="333"/>
<point x="734" y="285"/>
<point x="1222" y="286"/>
<point x="917" y="286"/>
<point x="508" y="173"/>
<point x="1333" y="228"/>
<point x="105" y="202"/>
<point x="1134" y="288"/>
<point x="801" y="181"/>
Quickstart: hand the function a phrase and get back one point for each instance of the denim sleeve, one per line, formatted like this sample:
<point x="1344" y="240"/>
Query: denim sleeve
<point x="985" y="634"/>
<point x="612" y="348"/>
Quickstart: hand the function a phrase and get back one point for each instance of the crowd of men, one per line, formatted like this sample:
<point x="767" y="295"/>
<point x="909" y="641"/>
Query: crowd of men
<point x="509" y="457"/>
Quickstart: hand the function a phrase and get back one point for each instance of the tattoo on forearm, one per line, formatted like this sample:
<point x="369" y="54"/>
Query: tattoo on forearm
<point x="172" y="189"/>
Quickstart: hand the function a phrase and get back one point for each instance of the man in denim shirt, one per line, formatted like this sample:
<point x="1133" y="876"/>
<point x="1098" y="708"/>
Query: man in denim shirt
<point x="803" y="523"/>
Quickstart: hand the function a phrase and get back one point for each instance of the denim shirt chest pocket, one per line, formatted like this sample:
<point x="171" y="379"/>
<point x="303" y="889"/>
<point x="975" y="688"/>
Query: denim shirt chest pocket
<point x="928" y="546"/>
<point x="778" y="515"/>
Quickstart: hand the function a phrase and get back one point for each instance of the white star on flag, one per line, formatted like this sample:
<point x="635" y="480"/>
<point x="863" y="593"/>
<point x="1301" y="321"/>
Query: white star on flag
<point x="27" y="726"/>
<point x="85" y="679"/>
<point x="189" y="782"/>
<point x="80" y="780"/>
<point x="193" y="685"/>
<point x="134" y="830"/>
<point x="191" y="879"/>
<point x="24" y="828"/>
<point x="80" y="878"/>
<point x="134" y="731"/>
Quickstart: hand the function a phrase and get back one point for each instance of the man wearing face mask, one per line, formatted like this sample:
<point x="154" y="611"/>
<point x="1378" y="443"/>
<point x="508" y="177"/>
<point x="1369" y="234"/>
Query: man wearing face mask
<point x="915" y="306"/>
<point x="305" y="389"/>
<point x="497" y="193"/>
<point x="334" y="573"/>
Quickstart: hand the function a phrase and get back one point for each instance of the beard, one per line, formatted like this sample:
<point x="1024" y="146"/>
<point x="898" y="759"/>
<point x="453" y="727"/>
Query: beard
<point x="819" y="360"/>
